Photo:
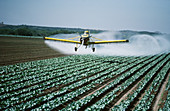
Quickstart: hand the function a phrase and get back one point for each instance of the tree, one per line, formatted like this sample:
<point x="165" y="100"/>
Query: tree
<point x="24" y="31"/>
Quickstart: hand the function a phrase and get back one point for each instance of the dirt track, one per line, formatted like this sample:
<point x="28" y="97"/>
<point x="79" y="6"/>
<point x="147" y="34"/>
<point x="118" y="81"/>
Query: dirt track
<point x="16" y="50"/>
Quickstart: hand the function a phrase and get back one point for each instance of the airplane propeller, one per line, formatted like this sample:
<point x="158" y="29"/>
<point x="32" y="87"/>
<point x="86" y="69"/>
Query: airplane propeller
<point x="74" y="37"/>
<point x="96" y="38"/>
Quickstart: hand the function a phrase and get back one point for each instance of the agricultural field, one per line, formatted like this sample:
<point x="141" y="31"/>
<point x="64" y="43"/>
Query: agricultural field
<point x="87" y="82"/>
<point x="21" y="49"/>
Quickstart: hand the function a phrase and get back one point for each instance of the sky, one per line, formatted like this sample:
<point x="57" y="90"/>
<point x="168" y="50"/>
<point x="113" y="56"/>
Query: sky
<point x="141" y="15"/>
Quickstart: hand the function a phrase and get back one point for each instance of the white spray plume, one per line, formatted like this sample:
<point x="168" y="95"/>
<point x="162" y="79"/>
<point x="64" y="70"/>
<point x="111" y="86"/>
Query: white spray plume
<point x="139" y="45"/>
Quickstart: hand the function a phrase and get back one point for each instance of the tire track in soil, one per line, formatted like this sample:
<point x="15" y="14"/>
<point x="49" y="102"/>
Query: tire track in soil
<point x="99" y="97"/>
<point x="94" y="100"/>
<point x="161" y="89"/>
<point x="130" y="89"/>
<point x="146" y="87"/>
<point x="124" y="97"/>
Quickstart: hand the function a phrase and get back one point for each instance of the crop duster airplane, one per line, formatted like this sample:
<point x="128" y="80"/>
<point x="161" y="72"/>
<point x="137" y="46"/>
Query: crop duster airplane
<point x="86" y="39"/>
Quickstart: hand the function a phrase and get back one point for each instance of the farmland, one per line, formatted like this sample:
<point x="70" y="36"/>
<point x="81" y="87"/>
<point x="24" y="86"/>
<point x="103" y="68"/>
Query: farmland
<point x="32" y="78"/>
<point x="86" y="82"/>
<point x="20" y="49"/>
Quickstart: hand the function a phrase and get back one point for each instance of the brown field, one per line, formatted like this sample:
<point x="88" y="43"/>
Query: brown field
<point x="16" y="50"/>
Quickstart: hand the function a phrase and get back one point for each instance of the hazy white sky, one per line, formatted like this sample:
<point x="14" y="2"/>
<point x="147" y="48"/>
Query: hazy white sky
<point x="149" y="15"/>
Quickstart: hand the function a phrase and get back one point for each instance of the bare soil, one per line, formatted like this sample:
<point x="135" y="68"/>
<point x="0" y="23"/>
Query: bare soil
<point x="161" y="97"/>
<point x="17" y="50"/>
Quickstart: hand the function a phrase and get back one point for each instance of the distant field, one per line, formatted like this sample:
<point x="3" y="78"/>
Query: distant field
<point x="18" y="49"/>
<point x="86" y="82"/>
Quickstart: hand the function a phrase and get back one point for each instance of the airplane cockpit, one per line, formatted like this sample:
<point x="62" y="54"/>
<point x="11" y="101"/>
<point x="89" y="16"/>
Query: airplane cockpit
<point x="86" y="32"/>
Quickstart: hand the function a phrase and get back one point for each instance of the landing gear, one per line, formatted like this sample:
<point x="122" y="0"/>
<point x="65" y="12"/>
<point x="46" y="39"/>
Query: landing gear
<point x="76" y="49"/>
<point x="93" y="49"/>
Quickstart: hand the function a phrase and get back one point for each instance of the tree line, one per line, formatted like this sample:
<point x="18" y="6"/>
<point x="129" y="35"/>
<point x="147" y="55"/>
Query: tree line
<point x="25" y="30"/>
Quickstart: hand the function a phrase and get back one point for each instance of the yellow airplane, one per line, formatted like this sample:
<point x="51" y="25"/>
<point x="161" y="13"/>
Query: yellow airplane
<point x="86" y="39"/>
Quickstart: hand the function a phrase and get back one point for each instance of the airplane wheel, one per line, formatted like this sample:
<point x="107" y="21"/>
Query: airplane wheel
<point x="75" y="48"/>
<point x="93" y="49"/>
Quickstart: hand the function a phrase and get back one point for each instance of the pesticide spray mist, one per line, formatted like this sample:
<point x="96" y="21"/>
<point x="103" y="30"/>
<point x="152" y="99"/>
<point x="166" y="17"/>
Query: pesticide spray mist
<point x="139" y="45"/>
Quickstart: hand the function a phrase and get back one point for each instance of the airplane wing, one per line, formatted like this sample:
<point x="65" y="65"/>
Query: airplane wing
<point x="62" y="40"/>
<point x="109" y="41"/>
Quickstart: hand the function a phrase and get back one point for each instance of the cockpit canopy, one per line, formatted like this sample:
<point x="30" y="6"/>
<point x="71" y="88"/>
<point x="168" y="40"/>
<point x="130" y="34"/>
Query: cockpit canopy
<point x="86" y="33"/>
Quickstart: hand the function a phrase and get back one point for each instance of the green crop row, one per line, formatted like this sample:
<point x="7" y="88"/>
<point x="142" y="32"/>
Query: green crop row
<point x="78" y="104"/>
<point x="124" y="104"/>
<point x="145" y="102"/>
<point x="47" y="84"/>
<point x="44" y="78"/>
